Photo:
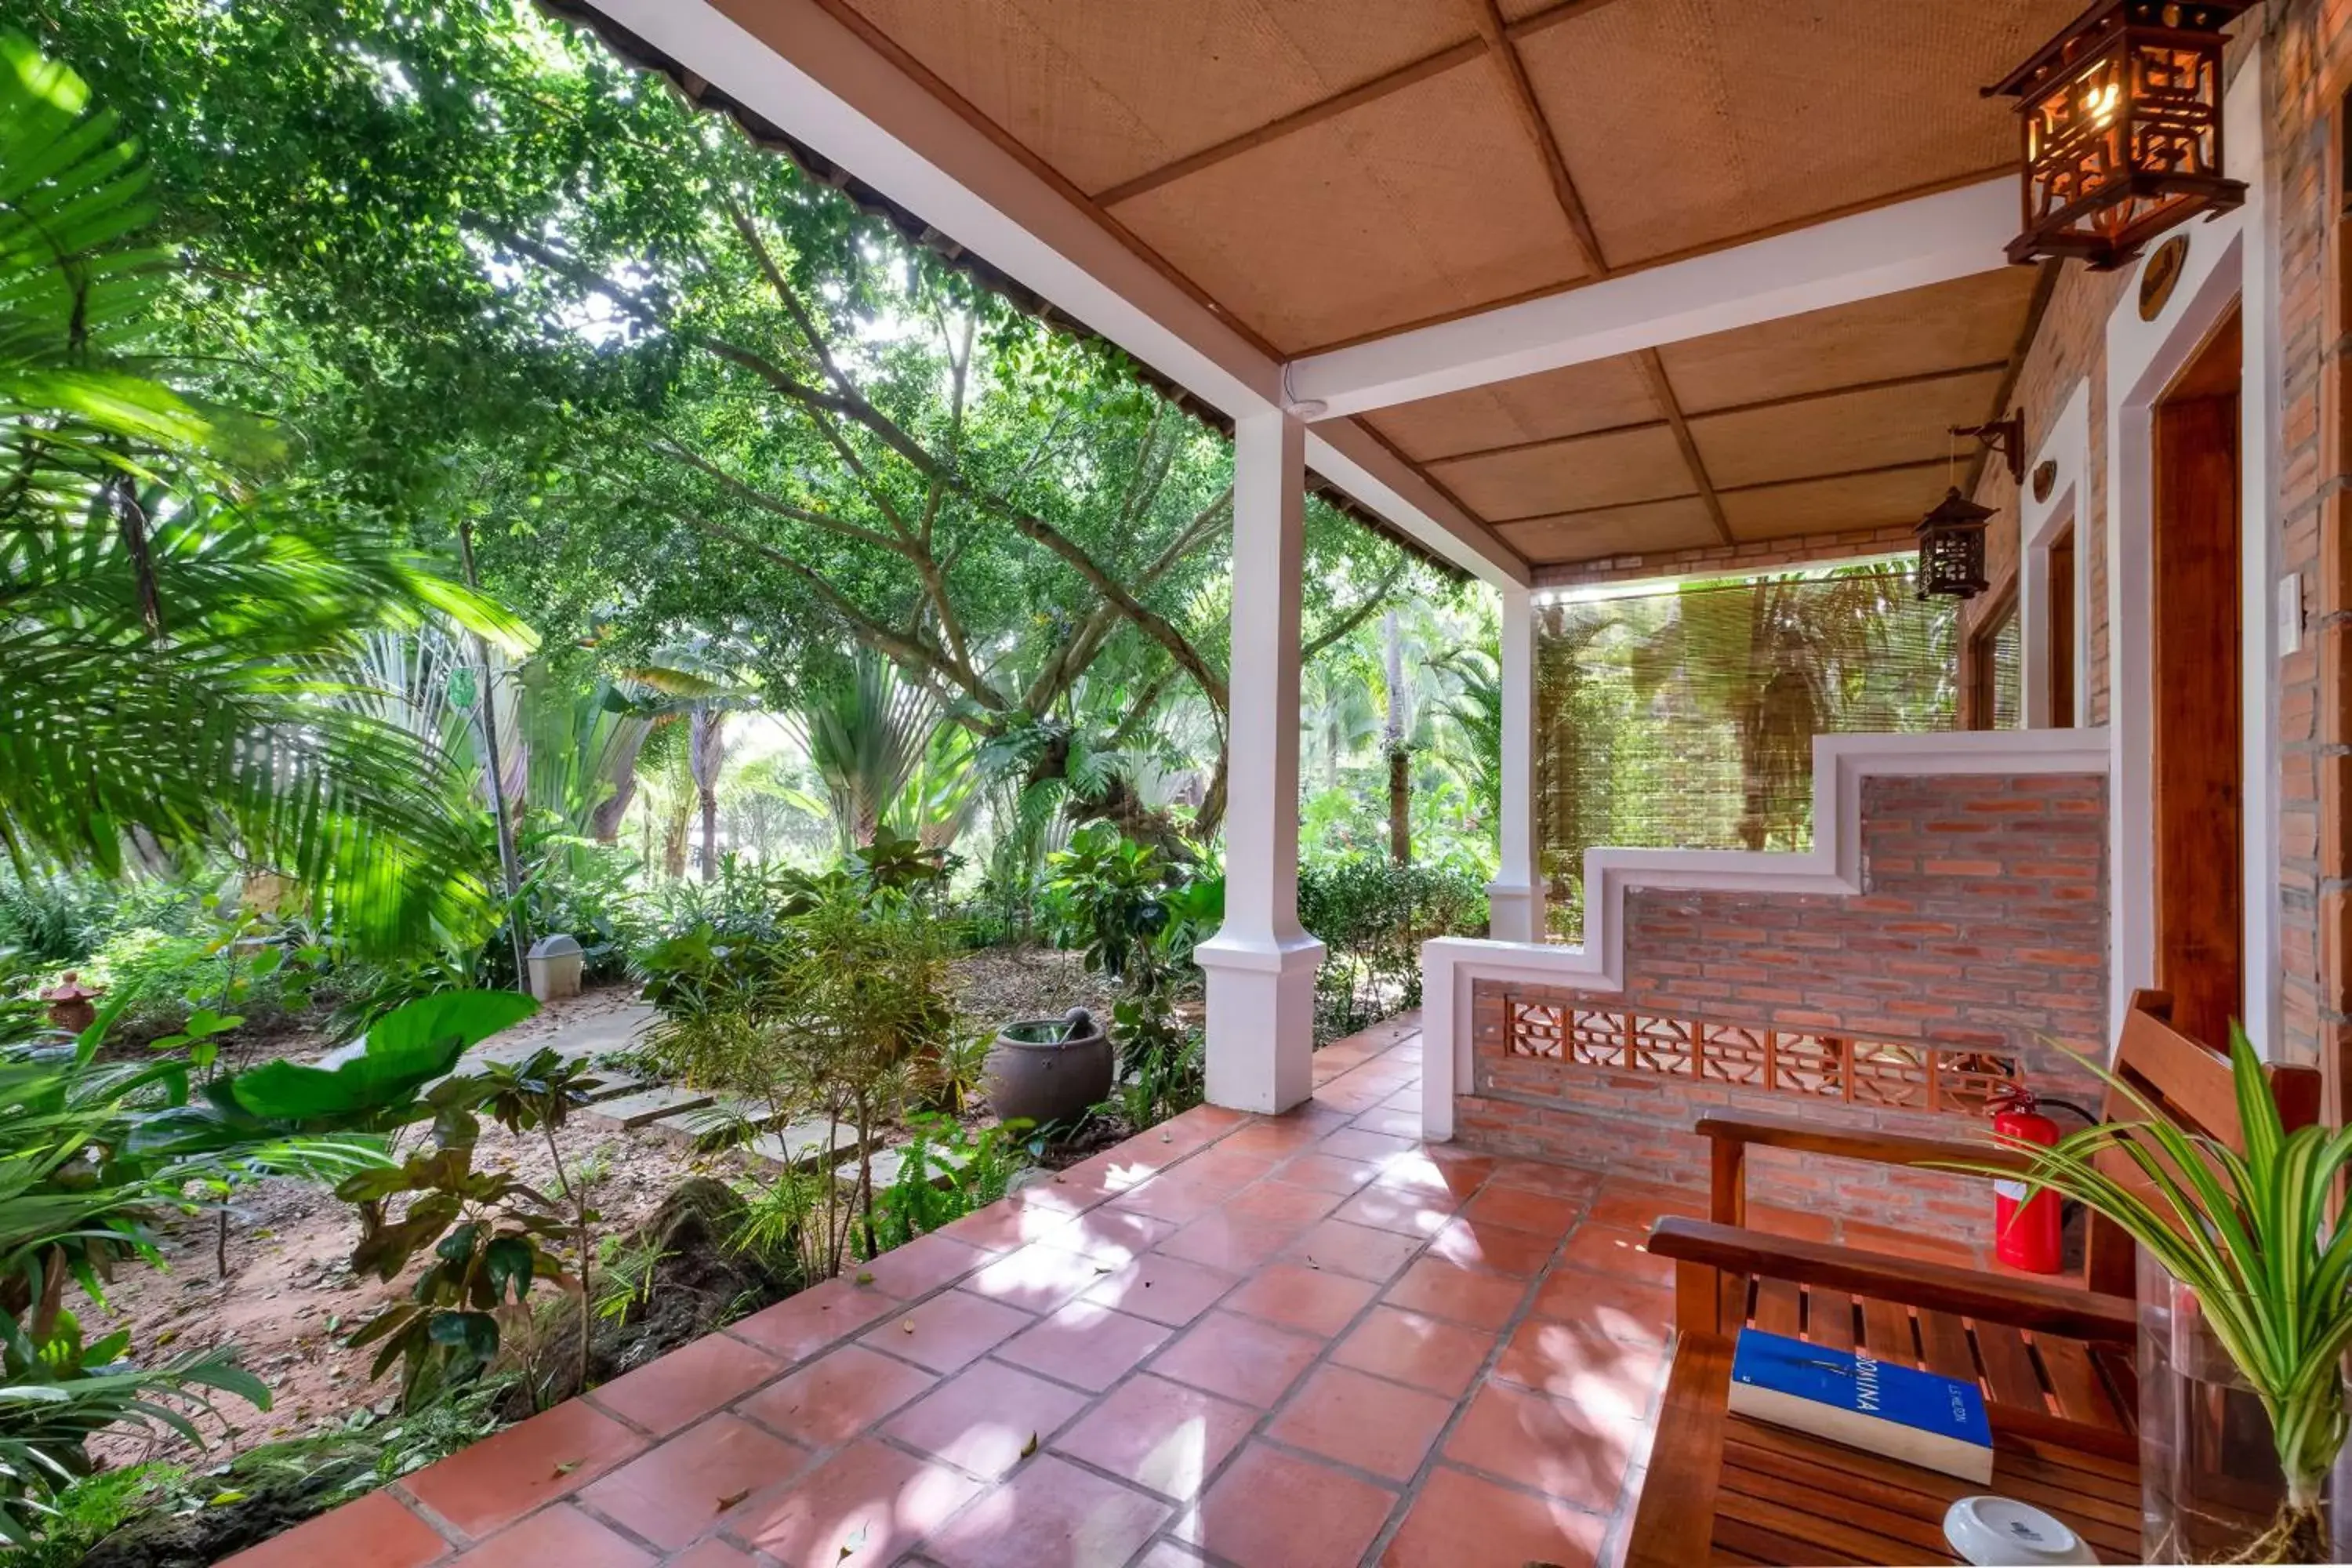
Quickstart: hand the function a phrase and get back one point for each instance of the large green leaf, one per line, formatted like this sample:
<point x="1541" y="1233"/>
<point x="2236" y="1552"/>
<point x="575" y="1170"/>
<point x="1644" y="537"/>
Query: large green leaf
<point x="405" y="1049"/>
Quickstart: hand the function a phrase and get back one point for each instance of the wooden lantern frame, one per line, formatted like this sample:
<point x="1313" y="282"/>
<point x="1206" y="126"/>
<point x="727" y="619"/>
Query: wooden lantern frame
<point x="1952" y="548"/>
<point x="2121" y="115"/>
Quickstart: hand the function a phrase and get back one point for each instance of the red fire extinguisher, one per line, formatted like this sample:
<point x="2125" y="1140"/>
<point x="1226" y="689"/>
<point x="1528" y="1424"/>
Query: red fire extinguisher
<point x="2025" y="1230"/>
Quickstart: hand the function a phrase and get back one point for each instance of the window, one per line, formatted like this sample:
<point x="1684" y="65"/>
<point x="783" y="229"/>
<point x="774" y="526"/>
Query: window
<point x="2062" y="629"/>
<point x="1996" y="669"/>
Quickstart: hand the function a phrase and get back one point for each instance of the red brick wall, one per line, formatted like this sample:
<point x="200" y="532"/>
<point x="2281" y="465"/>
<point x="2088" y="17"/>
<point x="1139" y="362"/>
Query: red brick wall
<point x="1982" y="924"/>
<point x="2308" y="55"/>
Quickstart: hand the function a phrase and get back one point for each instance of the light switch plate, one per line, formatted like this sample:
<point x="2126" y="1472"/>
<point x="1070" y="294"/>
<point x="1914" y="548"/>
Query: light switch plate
<point x="2290" y="612"/>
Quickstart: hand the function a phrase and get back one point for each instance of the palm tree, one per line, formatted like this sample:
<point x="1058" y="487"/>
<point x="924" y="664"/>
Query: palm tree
<point x="867" y="739"/>
<point x="176" y="641"/>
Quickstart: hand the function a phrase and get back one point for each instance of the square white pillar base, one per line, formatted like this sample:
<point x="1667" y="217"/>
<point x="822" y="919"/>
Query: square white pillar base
<point x="1514" y="912"/>
<point x="1261" y="1046"/>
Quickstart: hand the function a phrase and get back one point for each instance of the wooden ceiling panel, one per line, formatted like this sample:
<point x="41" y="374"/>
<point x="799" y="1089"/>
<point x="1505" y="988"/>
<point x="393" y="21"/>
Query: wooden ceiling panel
<point x="1107" y="92"/>
<point x="1833" y="506"/>
<point x="1570" y="475"/>
<point x="1426" y="201"/>
<point x="1615" y="531"/>
<point x="1688" y="123"/>
<point x="1842" y="432"/>
<point x="1972" y="320"/>
<point x="1569" y="402"/>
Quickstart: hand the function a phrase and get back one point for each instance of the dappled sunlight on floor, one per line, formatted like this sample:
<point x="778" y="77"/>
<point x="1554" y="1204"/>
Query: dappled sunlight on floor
<point x="1281" y="1342"/>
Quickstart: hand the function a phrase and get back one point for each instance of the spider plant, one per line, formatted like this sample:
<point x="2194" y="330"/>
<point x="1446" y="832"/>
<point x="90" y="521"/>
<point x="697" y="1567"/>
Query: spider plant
<point x="2254" y="1237"/>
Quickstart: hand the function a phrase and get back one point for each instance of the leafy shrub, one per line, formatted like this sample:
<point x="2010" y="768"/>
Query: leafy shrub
<point x="1373" y="915"/>
<point x="946" y="1172"/>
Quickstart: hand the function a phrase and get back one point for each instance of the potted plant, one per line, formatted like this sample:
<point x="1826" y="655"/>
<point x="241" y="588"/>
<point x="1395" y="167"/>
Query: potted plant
<point x="2247" y="1270"/>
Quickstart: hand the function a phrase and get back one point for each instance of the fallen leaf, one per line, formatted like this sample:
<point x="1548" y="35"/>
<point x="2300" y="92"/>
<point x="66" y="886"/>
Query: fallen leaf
<point x="1312" y="1264"/>
<point x="1030" y="1446"/>
<point x="866" y="1277"/>
<point x="568" y="1465"/>
<point x="908" y="1325"/>
<point x="732" y="1499"/>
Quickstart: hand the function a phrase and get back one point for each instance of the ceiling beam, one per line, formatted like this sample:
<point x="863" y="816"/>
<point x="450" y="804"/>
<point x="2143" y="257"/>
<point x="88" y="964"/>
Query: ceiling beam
<point x="1654" y="370"/>
<point x="1380" y="87"/>
<point x="817" y="81"/>
<point x="1757" y="405"/>
<point x="1521" y="95"/>
<point x="1883" y="251"/>
<point x="1405" y="76"/>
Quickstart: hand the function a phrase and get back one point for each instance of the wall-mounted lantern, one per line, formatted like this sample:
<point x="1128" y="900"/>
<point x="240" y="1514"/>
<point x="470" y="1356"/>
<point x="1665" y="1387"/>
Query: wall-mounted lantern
<point x="1952" y="548"/>
<point x="2122" y="115"/>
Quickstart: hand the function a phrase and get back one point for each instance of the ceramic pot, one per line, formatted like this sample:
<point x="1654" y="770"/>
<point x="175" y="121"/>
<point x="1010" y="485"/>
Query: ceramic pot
<point x="1036" y="1074"/>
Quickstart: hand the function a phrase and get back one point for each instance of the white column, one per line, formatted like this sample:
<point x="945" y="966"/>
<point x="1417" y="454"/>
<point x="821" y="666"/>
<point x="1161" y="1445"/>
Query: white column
<point x="1515" y="899"/>
<point x="1261" y="964"/>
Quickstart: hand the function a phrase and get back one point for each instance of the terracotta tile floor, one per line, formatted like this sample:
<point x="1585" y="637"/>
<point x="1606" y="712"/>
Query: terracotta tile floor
<point x="1261" y="1342"/>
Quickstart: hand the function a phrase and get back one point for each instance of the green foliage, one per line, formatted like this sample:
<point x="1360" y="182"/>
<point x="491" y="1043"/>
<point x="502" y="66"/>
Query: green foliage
<point x="1373" y="915"/>
<point x="1165" y="1069"/>
<point x="92" y="1508"/>
<point x="173" y="629"/>
<point x="947" y="1170"/>
<point x="1110" y="893"/>
<point x="90" y="1152"/>
<point x="2261" y="1239"/>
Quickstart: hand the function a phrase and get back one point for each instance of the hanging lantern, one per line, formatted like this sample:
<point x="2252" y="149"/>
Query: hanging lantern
<point x="1952" y="548"/>
<point x="2122" y="114"/>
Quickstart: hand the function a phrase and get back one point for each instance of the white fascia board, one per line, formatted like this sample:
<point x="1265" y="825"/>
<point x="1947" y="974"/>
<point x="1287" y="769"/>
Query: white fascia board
<point x="1834" y="866"/>
<point x="1907" y="245"/>
<point x="825" y="86"/>
<point x="1351" y="458"/>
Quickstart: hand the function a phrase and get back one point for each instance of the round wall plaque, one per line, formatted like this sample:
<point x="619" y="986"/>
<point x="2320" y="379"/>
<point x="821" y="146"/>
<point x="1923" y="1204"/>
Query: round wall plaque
<point x="2157" y="279"/>
<point x="2045" y="478"/>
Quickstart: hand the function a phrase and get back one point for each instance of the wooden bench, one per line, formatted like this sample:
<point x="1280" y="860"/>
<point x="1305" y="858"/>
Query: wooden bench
<point x="2055" y="1361"/>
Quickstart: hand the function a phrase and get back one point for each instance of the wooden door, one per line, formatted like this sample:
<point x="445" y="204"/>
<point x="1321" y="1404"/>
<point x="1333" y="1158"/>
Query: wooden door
<point x="2196" y="675"/>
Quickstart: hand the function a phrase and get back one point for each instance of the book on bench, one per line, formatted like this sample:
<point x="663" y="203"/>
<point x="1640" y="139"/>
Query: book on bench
<point x="1863" y="1402"/>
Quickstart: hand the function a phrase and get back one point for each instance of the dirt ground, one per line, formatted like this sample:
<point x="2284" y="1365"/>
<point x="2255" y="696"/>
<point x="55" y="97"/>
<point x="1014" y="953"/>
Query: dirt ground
<point x="289" y="1299"/>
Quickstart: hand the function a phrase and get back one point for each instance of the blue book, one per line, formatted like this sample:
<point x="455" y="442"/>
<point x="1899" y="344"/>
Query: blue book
<point x="1864" y="1403"/>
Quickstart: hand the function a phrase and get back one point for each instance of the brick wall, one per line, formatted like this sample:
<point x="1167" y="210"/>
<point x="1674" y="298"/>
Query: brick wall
<point x="2308" y="48"/>
<point x="1981" y="925"/>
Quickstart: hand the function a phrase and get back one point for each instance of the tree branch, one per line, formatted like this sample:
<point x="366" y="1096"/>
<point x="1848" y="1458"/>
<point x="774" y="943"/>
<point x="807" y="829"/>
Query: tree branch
<point x="1152" y="622"/>
<point x="1354" y="618"/>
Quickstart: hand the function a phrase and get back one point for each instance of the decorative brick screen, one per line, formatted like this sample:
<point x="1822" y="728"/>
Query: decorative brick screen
<point x="1976" y="954"/>
<point x="1904" y="1077"/>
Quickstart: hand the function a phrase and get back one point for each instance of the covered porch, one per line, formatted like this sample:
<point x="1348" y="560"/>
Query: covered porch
<point x="1569" y="295"/>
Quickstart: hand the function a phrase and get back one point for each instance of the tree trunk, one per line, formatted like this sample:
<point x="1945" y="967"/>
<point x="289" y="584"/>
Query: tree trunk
<point x="1395" y="731"/>
<point x="604" y="822"/>
<point x="486" y="716"/>
<point x="1399" y="806"/>
<point x="706" y="750"/>
<point x="674" y="833"/>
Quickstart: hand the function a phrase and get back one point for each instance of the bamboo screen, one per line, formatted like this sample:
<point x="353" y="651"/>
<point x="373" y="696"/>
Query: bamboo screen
<point x="1684" y="718"/>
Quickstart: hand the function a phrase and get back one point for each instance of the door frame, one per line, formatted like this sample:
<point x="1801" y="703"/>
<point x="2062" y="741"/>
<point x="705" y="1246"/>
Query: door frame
<point x="2231" y="262"/>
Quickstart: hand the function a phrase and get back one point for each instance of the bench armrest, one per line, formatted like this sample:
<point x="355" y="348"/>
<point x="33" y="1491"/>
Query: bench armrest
<point x="1931" y="1287"/>
<point x="1855" y="1143"/>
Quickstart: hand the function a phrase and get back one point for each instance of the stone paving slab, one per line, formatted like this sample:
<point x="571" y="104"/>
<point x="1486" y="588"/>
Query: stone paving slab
<point x="804" y="1145"/>
<point x="650" y="1105"/>
<point x="943" y="1163"/>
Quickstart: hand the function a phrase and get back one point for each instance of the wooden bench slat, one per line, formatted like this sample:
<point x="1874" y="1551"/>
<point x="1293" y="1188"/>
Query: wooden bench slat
<point x="1850" y="1538"/>
<point x="2081" y="1396"/>
<point x="1886" y="1328"/>
<point x="1765" y="1546"/>
<point x="1779" y="1307"/>
<point x="1944" y="1341"/>
<point x="2108" y="1523"/>
<point x="1829" y="1319"/>
<point x="2010" y="1377"/>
